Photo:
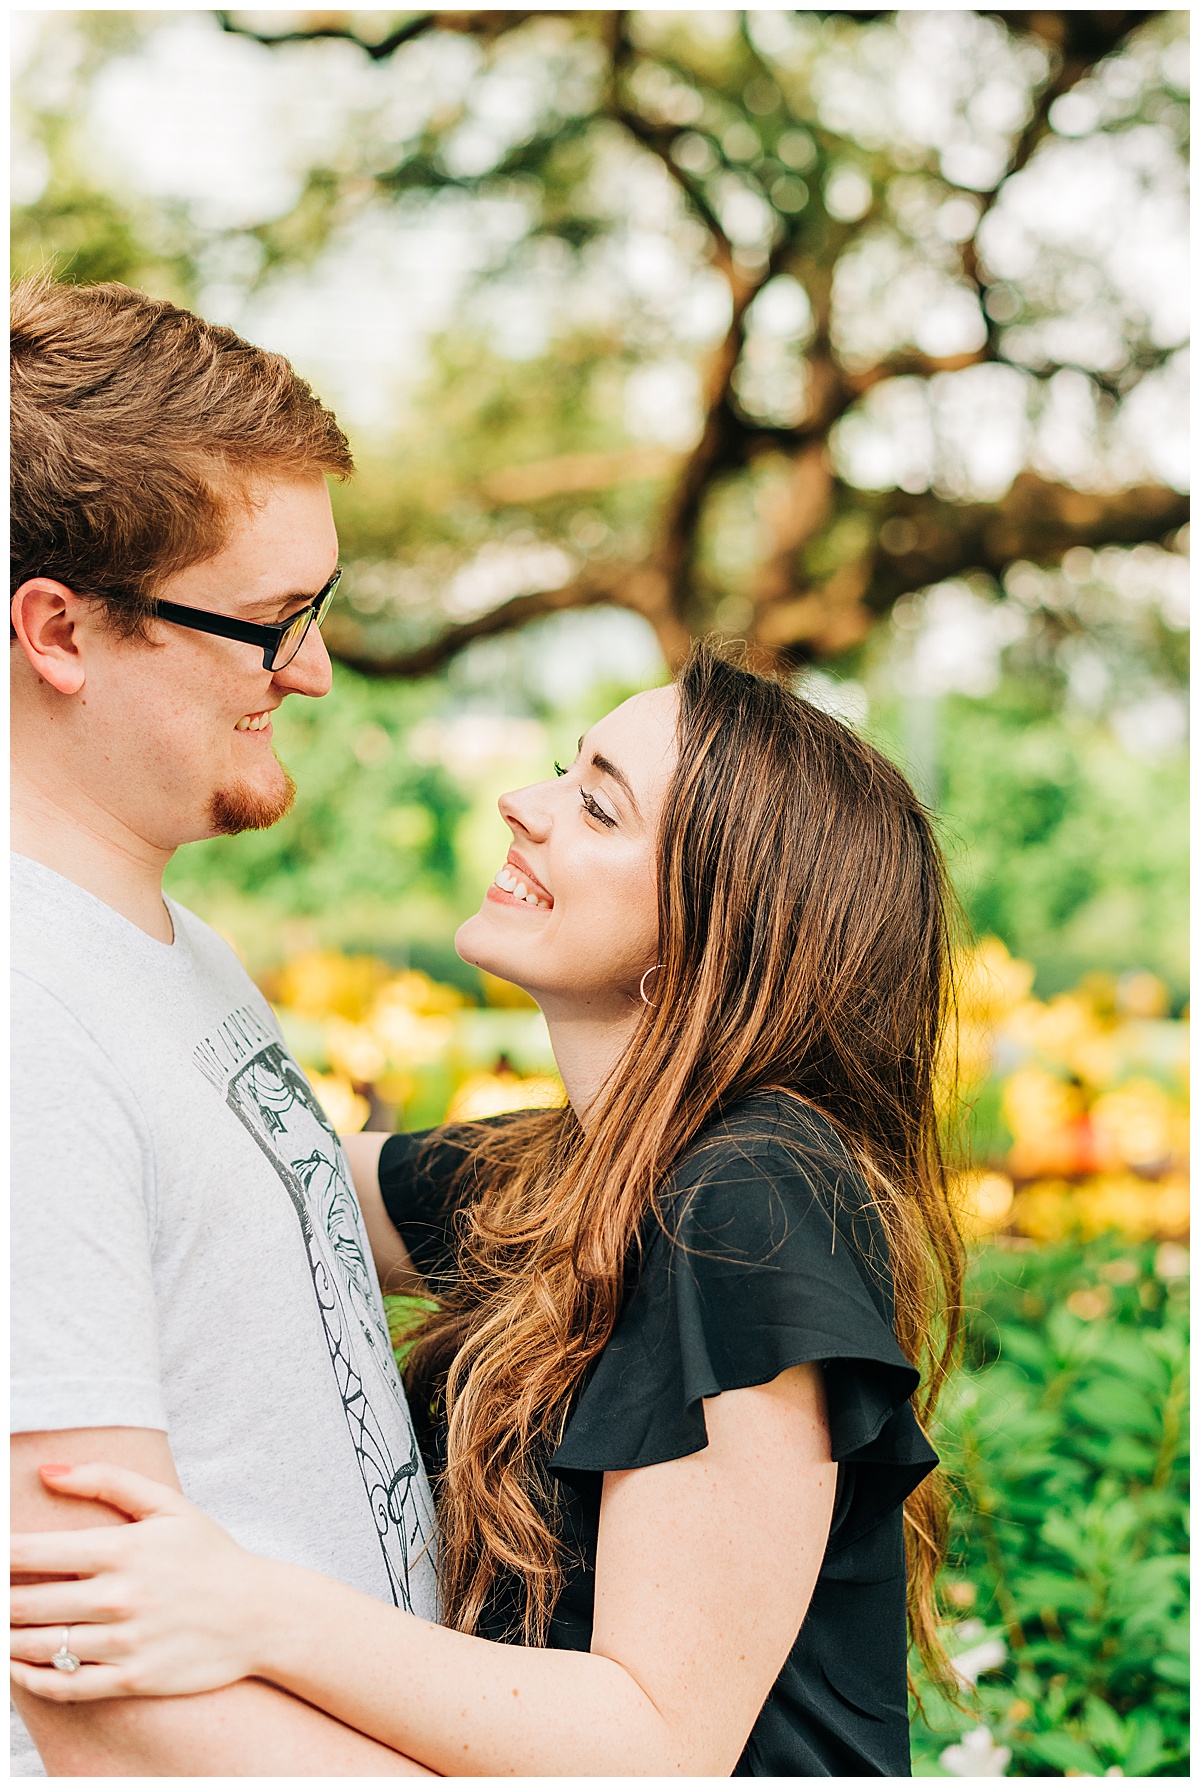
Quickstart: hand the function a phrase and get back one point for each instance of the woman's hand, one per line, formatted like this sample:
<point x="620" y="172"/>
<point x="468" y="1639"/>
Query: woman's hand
<point x="165" y="1605"/>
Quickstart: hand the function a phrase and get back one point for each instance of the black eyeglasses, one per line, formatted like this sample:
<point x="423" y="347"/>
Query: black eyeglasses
<point x="279" y="644"/>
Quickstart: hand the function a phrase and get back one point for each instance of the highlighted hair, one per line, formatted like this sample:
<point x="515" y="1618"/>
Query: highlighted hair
<point x="804" y="941"/>
<point x="137" y="431"/>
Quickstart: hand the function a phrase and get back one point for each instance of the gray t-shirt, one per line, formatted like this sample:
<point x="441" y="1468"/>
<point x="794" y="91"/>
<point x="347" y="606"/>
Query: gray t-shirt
<point x="188" y="1253"/>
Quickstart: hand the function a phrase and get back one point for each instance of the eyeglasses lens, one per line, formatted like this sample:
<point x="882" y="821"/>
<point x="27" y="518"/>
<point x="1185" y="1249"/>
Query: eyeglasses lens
<point x="293" y="638"/>
<point x="296" y="633"/>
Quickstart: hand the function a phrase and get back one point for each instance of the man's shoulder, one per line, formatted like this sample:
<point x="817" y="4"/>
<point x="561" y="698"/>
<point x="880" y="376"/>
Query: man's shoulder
<point x="72" y="952"/>
<point x="58" y="937"/>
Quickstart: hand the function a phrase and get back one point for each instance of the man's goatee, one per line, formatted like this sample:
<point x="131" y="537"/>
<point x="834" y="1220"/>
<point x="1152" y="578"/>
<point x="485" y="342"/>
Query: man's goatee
<point x="241" y="808"/>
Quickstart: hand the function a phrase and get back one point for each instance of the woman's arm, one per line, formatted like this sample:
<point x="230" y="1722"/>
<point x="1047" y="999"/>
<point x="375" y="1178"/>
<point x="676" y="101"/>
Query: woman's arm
<point x="705" y="1569"/>
<point x="396" y="1271"/>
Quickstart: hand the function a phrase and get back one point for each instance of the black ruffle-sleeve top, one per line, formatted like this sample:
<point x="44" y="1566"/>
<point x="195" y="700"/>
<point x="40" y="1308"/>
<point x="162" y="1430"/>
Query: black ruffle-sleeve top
<point x="767" y="1253"/>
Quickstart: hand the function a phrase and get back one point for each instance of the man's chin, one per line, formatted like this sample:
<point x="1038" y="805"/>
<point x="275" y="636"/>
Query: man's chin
<point x="241" y="807"/>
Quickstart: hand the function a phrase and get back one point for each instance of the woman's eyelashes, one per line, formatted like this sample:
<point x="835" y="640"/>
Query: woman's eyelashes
<point x="592" y="806"/>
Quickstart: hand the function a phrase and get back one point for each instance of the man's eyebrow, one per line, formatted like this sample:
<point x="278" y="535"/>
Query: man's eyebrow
<point x="608" y="768"/>
<point x="276" y="604"/>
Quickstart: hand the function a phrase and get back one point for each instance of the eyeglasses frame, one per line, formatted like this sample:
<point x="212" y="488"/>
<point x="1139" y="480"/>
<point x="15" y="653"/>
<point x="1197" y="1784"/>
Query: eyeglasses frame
<point x="268" y="637"/>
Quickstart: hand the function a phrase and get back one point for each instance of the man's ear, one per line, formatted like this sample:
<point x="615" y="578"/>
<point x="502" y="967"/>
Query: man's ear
<point x="45" y="618"/>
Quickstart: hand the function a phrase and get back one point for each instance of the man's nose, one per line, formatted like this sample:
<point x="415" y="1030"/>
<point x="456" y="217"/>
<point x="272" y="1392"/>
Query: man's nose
<point x="310" y="671"/>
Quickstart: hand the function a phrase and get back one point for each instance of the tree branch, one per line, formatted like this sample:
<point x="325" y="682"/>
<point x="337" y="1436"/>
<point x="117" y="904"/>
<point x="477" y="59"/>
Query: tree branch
<point x="923" y="539"/>
<point x="658" y="142"/>
<point x="469" y="24"/>
<point x="1079" y="40"/>
<point x="378" y="52"/>
<point x="915" y="539"/>
<point x="634" y="587"/>
<point x="568" y="473"/>
<point x="674" y="550"/>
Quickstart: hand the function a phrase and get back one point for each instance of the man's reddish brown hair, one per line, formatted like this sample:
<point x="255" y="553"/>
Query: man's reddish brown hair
<point x="138" y="430"/>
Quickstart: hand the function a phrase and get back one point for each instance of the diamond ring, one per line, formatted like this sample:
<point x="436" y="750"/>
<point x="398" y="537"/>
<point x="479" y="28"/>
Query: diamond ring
<point x="64" y="1658"/>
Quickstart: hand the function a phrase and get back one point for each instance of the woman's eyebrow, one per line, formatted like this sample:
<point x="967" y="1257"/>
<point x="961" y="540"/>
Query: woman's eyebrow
<point x="608" y="768"/>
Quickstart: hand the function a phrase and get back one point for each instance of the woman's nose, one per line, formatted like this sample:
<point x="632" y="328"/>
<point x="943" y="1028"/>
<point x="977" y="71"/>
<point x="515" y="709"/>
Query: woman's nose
<point x="527" y="810"/>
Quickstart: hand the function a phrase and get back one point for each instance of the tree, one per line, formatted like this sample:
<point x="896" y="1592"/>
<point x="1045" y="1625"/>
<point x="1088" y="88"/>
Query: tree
<point x="795" y="194"/>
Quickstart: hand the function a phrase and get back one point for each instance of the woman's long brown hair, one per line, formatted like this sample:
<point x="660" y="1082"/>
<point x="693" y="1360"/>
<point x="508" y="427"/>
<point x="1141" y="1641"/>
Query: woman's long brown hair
<point x="803" y="937"/>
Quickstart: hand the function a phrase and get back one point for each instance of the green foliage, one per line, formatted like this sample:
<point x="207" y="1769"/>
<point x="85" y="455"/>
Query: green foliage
<point x="368" y="847"/>
<point x="404" y="1314"/>
<point x="1066" y="1433"/>
<point x="79" y="227"/>
<point x="1060" y="840"/>
<point x="1062" y="844"/>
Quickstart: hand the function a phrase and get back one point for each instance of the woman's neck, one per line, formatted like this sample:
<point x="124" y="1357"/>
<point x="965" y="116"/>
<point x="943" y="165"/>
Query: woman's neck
<point x="587" y="1046"/>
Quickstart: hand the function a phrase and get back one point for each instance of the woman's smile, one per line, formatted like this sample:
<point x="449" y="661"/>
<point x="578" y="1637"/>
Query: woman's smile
<point x="515" y="884"/>
<point x="583" y="850"/>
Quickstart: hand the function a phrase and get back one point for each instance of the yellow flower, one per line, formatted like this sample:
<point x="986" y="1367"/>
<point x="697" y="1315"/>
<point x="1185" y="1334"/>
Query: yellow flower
<point x="1143" y="995"/>
<point x="354" y="1051"/>
<point x="504" y="994"/>
<point x="344" y="1107"/>
<point x="1044" y="1211"/>
<point x="983" y="1201"/>
<point x="323" y="982"/>
<point x="490" y="1094"/>
<point x="975" y="1041"/>
<point x="1069" y="1033"/>
<point x="1043" y="1112"/>
<point x="1172" y="1206"/>
<point x="394" y="1087"/>
<point x="1133" y="1126"/>
<point x="408" y="1038"/>
<point x="1037" y="1102"/>
<point x="1116" y="1201"/>
<point x="419" y="993"/>
<point x="990" y="982"/>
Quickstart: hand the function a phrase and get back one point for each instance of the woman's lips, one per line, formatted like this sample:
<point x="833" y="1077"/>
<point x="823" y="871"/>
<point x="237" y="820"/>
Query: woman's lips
<point x="502" y="897"/>
<point x="515" y="884"/>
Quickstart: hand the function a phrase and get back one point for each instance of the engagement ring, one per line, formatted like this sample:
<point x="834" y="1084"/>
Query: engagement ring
<point x="65" y="1659"/>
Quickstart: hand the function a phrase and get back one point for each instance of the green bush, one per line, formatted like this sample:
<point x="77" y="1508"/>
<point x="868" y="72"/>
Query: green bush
<point x="1066" y="1433"/>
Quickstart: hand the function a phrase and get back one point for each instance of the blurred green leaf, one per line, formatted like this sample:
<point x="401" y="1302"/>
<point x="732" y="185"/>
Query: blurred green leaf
<point x="1071" y="1520"/>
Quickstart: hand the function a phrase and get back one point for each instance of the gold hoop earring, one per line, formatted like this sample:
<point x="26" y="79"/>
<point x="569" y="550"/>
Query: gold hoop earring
<point x="653" y="969"/>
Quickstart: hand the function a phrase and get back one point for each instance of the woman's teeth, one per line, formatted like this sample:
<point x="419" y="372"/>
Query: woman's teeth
<point x="253" y="722"/>
<point x="507" y="879"/>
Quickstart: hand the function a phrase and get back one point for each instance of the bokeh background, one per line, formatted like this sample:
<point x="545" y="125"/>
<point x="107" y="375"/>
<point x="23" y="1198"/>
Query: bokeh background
<point x="860" y="336"/>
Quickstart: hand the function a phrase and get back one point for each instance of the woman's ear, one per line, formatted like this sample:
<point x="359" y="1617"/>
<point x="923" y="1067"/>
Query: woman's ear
<point x="45" y="619"/>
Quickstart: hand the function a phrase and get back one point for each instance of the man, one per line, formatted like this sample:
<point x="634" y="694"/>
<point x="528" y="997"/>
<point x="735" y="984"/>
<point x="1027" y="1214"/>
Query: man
<point x="193" y="1291"/>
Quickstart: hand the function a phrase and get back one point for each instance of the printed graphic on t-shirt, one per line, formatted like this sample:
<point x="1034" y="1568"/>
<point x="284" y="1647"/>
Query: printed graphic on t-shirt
<point x="267" y="1092"/>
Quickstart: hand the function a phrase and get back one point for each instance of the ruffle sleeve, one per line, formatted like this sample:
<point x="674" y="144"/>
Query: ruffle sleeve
<point x="769" y="1255"/>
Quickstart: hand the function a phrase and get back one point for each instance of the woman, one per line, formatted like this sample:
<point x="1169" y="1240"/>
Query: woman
<point x="667" y="1392"/>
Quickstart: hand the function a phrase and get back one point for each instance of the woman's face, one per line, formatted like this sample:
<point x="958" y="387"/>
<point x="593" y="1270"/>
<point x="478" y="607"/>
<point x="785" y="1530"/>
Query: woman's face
<point x="572" y="915"/>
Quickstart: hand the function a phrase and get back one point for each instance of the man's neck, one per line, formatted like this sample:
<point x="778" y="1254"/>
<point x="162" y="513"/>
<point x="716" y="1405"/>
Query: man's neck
<point x="95" y="853"/>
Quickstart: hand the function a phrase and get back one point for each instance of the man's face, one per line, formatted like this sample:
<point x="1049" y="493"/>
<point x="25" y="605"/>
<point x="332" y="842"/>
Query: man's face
<point x="184" y="719"/>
